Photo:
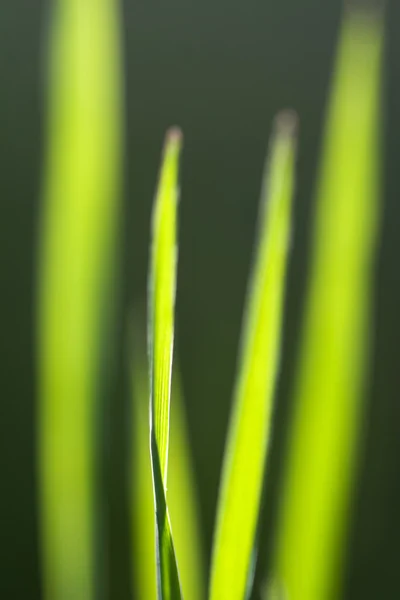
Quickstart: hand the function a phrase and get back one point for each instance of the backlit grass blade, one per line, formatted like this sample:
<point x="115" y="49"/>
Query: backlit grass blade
<point x="77" y="245"/>
<point x="328" y="400"/>
<point x="162" y="284"/>
<point x="181" y="492"/>
<point x="182" y="502"/>
<point x="249" y="432"/>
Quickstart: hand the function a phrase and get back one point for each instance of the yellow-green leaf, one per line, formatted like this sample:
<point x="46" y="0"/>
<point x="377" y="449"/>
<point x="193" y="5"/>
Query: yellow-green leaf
<point x="323" y="438"/>
<point x="162" y="284"/>
<point x="78" y="236"/>
<point x="249" y="432"/>
<point x="182" y="496"/>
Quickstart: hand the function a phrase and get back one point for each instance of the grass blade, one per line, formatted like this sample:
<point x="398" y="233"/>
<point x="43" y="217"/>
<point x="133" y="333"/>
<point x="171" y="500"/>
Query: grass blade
<point x="182" y="501"/>
<point x="182" y="495"/>
<point x="77" y="244"/>
<point x="328" y="408"/>
<point x="248" y="436"/>
<point x="162" y="285"/>
<point x="144" y="572"/>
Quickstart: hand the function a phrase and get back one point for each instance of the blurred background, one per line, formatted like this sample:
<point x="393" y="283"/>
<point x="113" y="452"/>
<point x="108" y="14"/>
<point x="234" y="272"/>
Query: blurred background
<point x="220" y="70"/>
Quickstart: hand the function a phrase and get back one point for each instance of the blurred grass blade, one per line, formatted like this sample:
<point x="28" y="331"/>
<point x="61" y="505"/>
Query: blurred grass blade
<point x="248" y="437"/>
<point x="77" y="245"/>
<point x="144" y="571"/>
<point x="328" y="408"/>
<point x="162" y="284"/>
<point x="182" y="502"/>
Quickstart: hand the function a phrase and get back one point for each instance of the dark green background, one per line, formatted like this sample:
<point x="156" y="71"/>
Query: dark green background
<point x="220" y="69"/>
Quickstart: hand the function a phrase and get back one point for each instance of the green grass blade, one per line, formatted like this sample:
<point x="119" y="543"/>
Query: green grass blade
<point x="248" y="437"/>
<point x="162" y="285"/>
<point x="328" y="407"/>
<point x="182" y="495"/>
<point x="77" y="244"/>
<point x="144" y="571"/>
<point x="182" y="501"/>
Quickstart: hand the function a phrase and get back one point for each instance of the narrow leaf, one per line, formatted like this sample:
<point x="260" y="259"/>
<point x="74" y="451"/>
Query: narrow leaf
<point x="161" y="333"/>
<point x="323" y="439"/>
<point x="249" y="432"/>
<point x="78" y="237"/>
<point x="182" y="496"/>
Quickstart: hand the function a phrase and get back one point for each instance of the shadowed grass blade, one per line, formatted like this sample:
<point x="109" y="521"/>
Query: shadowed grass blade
<point x="182" y="495"/>
<point x="248" y="436"/>
<point x="328" y="408"/>
<point x="77" y="245"/>
<point x="162" y="284"/>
